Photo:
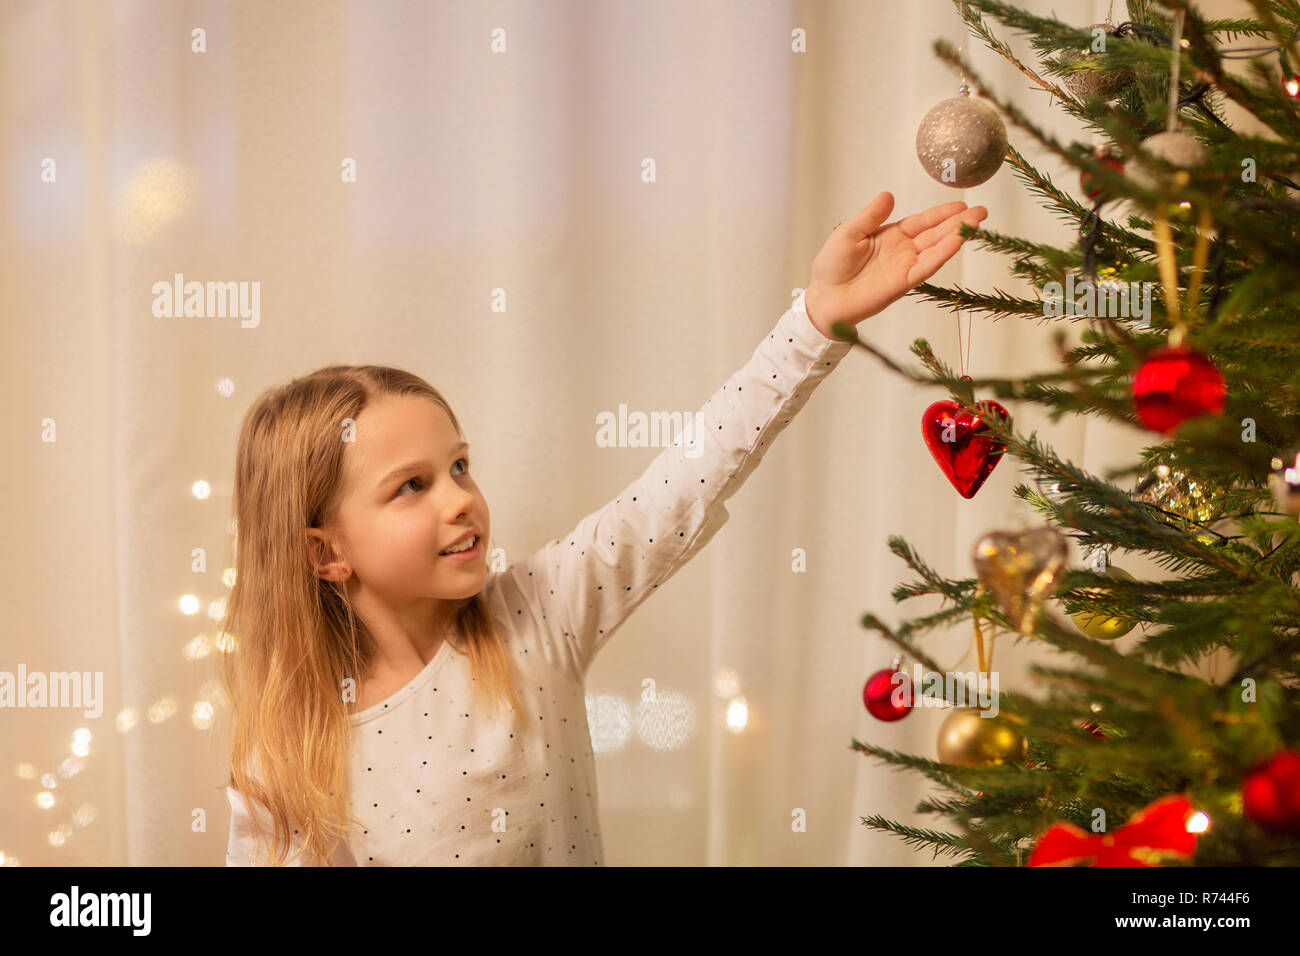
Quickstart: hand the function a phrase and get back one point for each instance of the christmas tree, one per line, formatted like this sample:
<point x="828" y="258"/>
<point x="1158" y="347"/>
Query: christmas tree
<point x="1122" y="754"/>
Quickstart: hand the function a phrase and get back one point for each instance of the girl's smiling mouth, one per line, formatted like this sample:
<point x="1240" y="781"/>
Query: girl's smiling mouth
<point x="467" y="553"/>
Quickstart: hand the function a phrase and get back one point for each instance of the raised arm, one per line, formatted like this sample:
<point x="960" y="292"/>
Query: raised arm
<point x="590" y="580"/>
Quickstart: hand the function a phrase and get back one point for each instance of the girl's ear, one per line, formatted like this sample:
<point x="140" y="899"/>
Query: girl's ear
<point x="325" y="561"/>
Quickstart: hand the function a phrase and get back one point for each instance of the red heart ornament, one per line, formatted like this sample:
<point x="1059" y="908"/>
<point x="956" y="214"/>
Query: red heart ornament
<point x="966" y="458"/>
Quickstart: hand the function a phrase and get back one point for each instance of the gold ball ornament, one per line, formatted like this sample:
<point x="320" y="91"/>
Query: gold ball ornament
<point x="961" y="142"/>
<point x="970" y="740"/>
<point x="1092" y="80"/>
<point x="1179" y="149"/>
<point x="1098" y="624"/>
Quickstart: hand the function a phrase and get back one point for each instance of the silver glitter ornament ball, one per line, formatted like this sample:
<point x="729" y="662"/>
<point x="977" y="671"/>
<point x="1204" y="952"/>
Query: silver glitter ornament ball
<point x="1180" y="149"/>
<point x="961" y="142"/>
<point x="1106" y="84"/>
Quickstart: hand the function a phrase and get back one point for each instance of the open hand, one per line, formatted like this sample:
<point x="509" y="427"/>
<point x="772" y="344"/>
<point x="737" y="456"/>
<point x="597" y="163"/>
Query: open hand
<point x="865" y="267"/>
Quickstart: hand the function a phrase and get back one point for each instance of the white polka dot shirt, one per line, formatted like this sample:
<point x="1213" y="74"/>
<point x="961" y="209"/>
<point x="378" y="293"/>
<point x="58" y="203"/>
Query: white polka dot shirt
<point x="439" y="783"/>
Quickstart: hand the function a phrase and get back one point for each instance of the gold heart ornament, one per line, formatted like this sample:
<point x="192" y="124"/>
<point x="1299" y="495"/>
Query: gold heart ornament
<point x="1020" y="570"/>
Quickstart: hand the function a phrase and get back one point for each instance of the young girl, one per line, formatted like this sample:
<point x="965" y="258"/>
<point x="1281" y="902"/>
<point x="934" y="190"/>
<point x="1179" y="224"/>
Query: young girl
<point x="392" y="703"/>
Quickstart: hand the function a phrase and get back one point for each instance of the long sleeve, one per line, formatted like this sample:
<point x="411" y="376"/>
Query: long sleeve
<point x="239" y="848"/>
<point x="588" y="582"/>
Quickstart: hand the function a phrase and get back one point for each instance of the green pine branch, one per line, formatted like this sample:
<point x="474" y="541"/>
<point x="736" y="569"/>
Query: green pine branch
<point x="1113" y="726"/>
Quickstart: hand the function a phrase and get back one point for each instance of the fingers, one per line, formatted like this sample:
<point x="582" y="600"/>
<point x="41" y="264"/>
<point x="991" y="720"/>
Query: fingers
<point x="915" y="224"/>
<point x="872" y="215"/>
<point x="974" y="216"/>
<point x="932" y="259"/>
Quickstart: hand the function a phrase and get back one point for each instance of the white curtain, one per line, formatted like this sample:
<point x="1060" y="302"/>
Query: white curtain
<point x="130" y="156"/>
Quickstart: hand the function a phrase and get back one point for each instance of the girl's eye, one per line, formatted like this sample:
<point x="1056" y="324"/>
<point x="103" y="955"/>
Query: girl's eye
<point x="409" y="480"/>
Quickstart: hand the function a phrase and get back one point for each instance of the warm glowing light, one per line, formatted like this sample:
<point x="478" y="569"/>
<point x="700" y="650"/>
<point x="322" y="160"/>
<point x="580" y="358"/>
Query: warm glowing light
<point x="45" y="799"/>
<point x="667" y="722"/>
<point x="70" y="767"/>
<point x="217" y="609"/>
<point x="196" y="647"/>
<point x="1291" y="474"/>
<point x="1095" y="707"/>
<point x="737" y="714"/>
<point x="49" y="781"/>
<point x="81" y="747"/>
<point x="26" y="771"/>
<point x="610" y="721"/>
<point x="189" y="604"/>
<point x="1185" y="204"/>
<point x="1293" y="86"/>
<point x="85" y="813"/>
<point x="1198" y="822"/>
<point x="161" y="191"/>
<point x="202" y="715"/>
<point x="126" y="719"/>
<point x="226" y="642"/>
<point x="200" y="489"/>
<point x="726" y="684"/>
<point x="228" y="577"/>
<point x="162" y="709"/>
<point x="225" y="387"/>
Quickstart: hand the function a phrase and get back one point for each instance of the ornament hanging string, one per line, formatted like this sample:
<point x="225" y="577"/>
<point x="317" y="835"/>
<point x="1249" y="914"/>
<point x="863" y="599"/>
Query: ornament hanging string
<point x="954" y="667"/>
<point x="1167" y="263"/>
<point x="1200" y="256"/>
<point x="1204" y="219"/>
<point x="1164" y="235"/>
<point x="1169" y="275"/>
<point x="1171" y="114"/>
<point x="964" y="88"/>
<point x="984" y="658"/>
<point x="964" y="361"/>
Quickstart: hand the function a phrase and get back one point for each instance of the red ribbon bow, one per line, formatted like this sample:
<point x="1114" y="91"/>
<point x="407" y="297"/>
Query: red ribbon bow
<point x="1159" y="829"/>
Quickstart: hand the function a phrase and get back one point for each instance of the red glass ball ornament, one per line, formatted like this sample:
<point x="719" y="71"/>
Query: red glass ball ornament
<point x="966" y="459"/>
<point x="1094" y="190"/>
<point x="1176" y="383"/>
<point x="1270" y="794"/>
<point x="879" y="697"/>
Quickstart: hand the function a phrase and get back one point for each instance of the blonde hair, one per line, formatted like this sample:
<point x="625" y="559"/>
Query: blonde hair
<point x="293" y="638"/>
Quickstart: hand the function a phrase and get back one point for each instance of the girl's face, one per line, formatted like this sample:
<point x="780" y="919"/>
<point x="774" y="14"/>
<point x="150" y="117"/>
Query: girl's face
<point x="407" y="496"/>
